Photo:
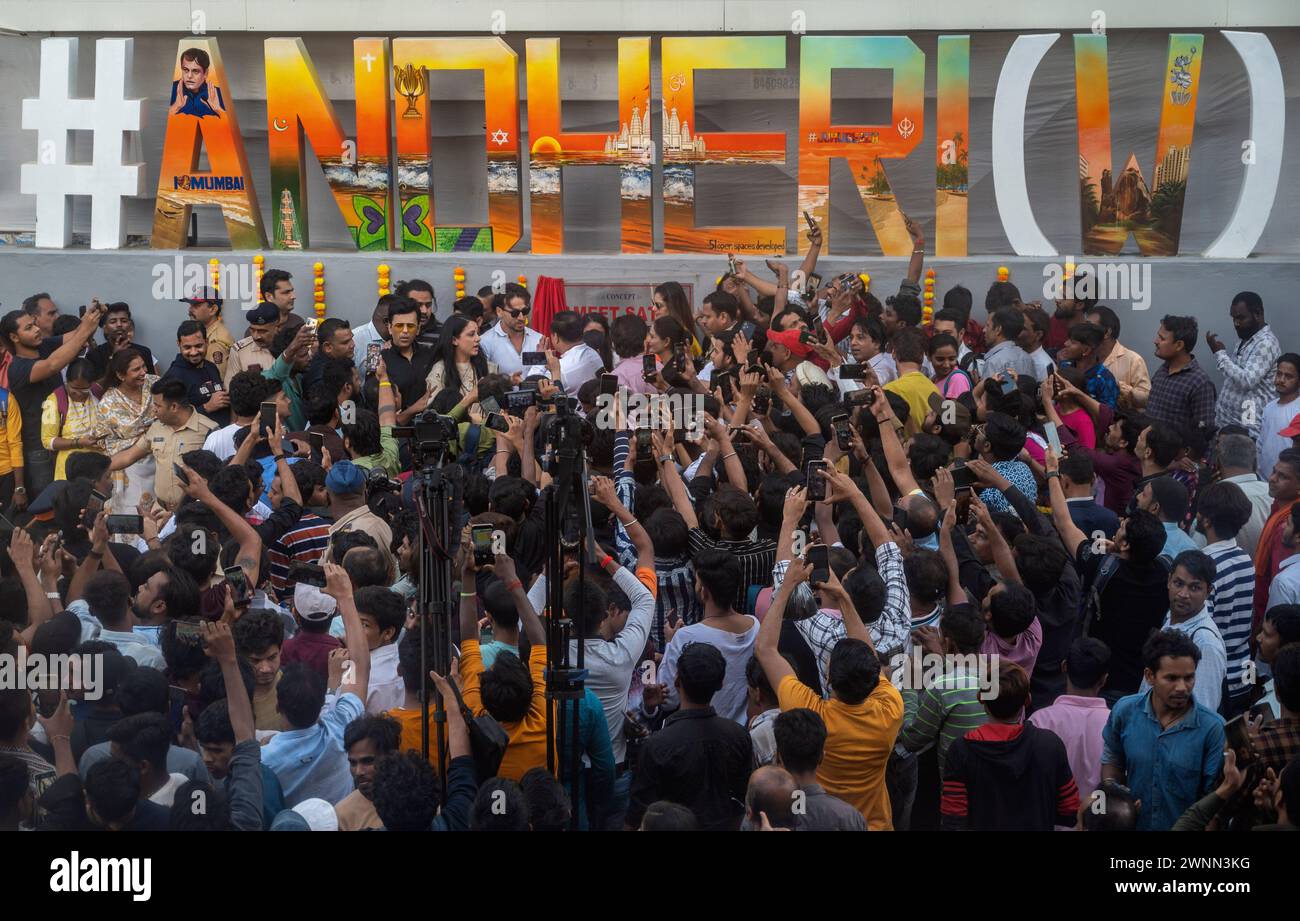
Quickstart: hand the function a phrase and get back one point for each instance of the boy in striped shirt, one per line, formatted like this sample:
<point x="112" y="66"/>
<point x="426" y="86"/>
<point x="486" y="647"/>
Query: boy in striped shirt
<point x="950" y="706"/>
<point x="1221" y="513"/>
<point x="307" y="540"/>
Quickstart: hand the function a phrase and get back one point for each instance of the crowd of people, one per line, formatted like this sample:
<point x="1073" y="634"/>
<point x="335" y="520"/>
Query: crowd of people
<point x="851" y="566"/>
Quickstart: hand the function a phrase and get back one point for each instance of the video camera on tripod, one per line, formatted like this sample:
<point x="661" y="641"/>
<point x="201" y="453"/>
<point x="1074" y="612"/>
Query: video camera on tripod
<point x="429" y="434"/>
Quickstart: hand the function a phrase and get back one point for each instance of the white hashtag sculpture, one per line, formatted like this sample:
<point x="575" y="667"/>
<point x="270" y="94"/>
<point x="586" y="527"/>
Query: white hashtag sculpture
<point x="106" y="179"/>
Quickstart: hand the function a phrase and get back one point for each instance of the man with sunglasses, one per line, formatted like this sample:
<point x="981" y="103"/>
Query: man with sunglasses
<point x="407" y="361"/>
<point x="505" y="343"/>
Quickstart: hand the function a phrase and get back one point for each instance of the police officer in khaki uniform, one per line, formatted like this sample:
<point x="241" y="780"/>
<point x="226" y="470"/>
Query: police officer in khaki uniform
<point x="179" y="429"/>
<point x="253" y="353"/>
<point x="205" y="307"/>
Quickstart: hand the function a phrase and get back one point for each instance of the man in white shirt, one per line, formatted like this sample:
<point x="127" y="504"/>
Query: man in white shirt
<point x="579" y="362"/>
<point x="505" y="343"/>
<point x="1005" y="327"/>
<point x="1189" y="591"/>
<point x="1037" y="324"/>
<point x="1286" y="584"/>
<point x="382" y="614"/>
<point x="1234" y="460"/>
<point x="374" y="331"/>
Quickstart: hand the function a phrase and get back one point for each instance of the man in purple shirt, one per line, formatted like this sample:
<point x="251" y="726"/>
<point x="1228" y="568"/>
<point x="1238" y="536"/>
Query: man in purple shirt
<point x="1011" y="613"/>
<point x="1079" y="716"/>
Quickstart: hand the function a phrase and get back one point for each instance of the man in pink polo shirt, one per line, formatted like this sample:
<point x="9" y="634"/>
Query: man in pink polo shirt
<point x="1080" y="714"/>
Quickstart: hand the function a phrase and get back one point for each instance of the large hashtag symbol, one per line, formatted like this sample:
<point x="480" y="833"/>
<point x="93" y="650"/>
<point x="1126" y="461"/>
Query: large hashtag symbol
<point x="106" y="179"/>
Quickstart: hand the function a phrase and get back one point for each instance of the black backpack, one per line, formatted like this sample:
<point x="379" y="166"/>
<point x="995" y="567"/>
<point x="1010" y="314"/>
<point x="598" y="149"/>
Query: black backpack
<point x="487" y="739"/>
<point x="1109" y="566"/>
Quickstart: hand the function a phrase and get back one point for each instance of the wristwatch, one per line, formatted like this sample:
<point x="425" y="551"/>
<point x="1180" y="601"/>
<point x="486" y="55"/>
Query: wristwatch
<point x="21" y="489"/>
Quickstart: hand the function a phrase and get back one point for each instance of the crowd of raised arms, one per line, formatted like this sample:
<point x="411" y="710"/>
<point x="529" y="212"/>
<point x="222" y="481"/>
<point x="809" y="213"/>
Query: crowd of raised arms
<point x="989" y="569"/>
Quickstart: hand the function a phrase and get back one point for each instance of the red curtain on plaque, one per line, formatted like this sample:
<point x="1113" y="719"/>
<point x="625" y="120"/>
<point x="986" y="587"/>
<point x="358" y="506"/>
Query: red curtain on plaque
<point x="548" y="300"/>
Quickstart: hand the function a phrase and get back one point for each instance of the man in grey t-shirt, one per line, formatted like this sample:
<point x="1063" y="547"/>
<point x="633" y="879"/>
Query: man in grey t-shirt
<point x="800" y="742"/>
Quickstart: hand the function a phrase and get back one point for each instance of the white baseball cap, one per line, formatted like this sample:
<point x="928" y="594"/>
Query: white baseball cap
<point x="313" y="604"/>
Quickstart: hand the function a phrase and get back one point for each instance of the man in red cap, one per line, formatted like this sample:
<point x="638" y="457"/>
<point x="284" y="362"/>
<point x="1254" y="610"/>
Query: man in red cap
<point x="789" y="353"/>
<point x="1292" y="431"/>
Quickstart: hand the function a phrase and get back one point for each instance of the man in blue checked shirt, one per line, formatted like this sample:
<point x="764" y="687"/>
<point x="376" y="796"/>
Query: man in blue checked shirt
<point x="1003" y="440"/>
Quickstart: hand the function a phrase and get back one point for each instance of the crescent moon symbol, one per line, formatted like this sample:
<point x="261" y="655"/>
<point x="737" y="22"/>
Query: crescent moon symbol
<point x="278" y="126"/>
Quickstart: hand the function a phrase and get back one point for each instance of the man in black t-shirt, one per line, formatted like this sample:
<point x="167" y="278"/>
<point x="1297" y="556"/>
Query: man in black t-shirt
<point x="34" y="374"/>
<point x="408" y="363"/>
<point x="1134" y="597"/>
<point x="119" y="331"/>
<point x="201" y="378"/>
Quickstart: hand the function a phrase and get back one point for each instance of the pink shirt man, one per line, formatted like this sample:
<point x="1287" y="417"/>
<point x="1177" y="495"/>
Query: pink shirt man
<point x="1079" y="722"/>
<point x="630" y="375"/>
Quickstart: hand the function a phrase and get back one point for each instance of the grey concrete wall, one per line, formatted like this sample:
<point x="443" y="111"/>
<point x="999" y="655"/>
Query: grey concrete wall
<point x="1197" y="287"/>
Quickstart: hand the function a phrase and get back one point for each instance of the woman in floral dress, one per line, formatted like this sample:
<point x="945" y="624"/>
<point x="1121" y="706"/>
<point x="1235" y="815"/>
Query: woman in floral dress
<point x="126" y="411"/>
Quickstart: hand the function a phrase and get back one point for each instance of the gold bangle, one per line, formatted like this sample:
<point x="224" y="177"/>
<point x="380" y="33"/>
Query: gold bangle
<point x="385" y="383"/>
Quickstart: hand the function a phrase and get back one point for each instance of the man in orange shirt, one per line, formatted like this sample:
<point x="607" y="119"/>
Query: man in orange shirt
<point x="864" y="713"/>
<point x="514" y="695"/>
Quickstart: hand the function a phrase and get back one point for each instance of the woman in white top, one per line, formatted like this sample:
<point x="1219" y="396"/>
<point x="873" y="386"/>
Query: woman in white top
<point x="461" y="363"/>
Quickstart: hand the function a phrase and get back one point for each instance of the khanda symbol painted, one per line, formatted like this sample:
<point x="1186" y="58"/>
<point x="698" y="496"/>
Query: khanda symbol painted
<point x="409" y="81"/>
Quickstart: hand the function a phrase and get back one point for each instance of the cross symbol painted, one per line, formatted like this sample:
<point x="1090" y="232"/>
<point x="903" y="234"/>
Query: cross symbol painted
<point x="500" y="137"/>
<point x="369" y="59"/>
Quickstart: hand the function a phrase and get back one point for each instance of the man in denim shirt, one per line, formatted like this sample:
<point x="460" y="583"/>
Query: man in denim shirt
<point x="1164" y="746"/>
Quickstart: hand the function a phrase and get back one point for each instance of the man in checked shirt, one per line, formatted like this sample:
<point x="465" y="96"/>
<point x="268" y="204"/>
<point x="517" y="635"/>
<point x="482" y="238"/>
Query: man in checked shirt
<point x="1181" y="392"/>
<point x="1247" y="370"/>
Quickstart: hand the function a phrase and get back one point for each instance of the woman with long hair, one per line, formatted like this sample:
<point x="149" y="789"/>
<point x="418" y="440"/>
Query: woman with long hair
<point x="665" y="338"/>
<point x="460" y="363"/>
<point x="670" y="301"/>
<point x="125" y="411"/>
<point x="70" y="417"/>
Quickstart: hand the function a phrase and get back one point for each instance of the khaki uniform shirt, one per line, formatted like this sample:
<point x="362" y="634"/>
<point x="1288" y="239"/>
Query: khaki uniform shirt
<point x="362" y="519"/>
<point x="168" y="445"/>
<point x="220" y="342"/>
<point x="243" y="356"/>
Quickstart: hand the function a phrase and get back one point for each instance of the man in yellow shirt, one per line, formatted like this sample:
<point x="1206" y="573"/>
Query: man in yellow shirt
<point x="205" y="307"/>
<point x="864" y="713"/>
<point x="503" y="690"/>
<point x="908" y="345"/>
<point x="11" y="454"/>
